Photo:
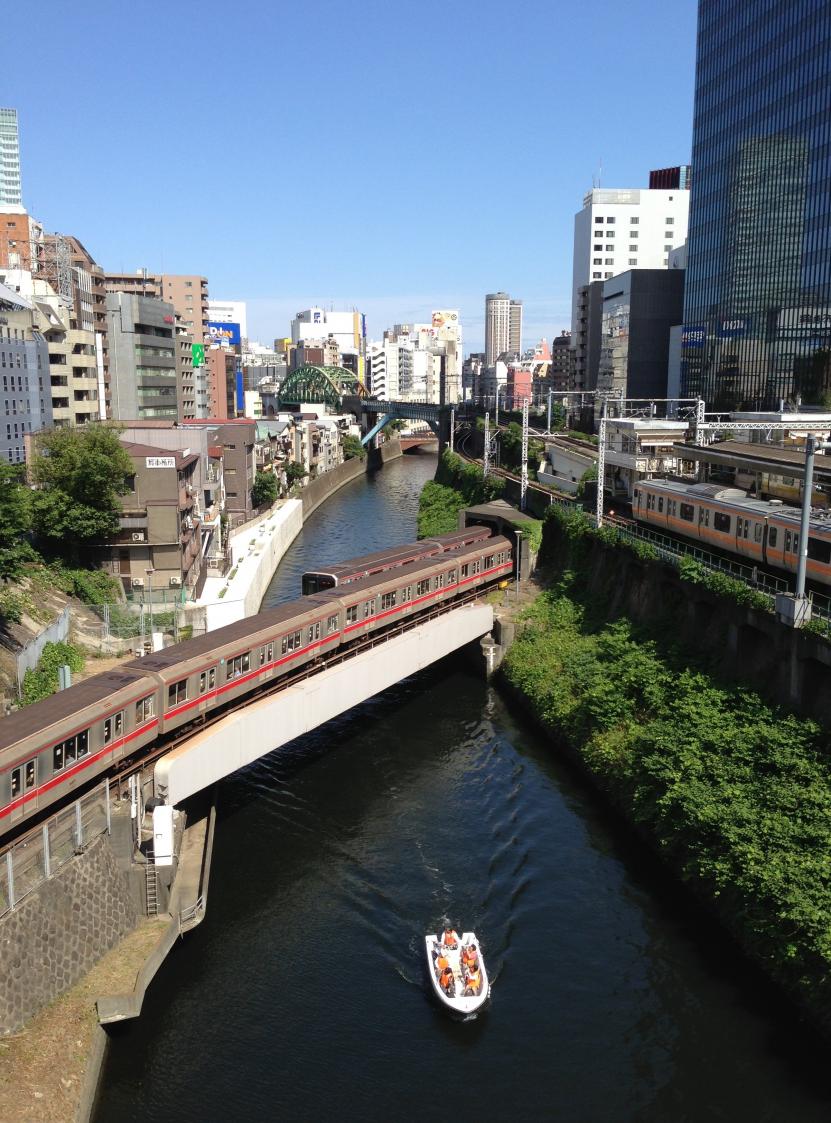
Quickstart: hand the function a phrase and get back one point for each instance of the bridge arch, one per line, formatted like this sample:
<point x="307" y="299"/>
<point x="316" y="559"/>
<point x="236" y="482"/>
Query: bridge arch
<point x="327" y="384"/>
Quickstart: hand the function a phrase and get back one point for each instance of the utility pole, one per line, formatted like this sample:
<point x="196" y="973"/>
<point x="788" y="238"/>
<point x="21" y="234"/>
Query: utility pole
<point x="452" y="427"/>
<point x="486" y="460"/>
<point x="524" y="484"/>
<point x="548" y="422"/>
<point x="601" y="464"/>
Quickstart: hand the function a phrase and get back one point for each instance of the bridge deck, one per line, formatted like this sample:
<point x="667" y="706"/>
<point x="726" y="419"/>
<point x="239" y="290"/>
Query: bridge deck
<point x="247" y="734"/>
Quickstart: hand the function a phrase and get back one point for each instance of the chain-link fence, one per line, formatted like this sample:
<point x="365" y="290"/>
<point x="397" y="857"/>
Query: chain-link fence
<point x="118" y="629"/>
<point x="28" y="863"/>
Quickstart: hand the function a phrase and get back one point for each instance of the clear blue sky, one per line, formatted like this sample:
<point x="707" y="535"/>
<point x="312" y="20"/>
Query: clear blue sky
<point x="395" y="157"/>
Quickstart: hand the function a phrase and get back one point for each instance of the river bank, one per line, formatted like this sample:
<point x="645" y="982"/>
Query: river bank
<point x="733" y="793"/>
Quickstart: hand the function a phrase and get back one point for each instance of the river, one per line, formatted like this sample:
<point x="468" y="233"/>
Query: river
<point x="302" y="996"/>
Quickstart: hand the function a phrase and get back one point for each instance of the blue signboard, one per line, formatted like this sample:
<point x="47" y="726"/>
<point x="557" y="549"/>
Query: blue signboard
<point x="240" y="391"/>
<point x="225" y="333"/>
<point x="693" y="335"/>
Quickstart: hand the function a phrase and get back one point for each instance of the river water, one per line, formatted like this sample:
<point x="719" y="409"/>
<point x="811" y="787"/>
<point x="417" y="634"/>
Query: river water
<point x="302" y="996"/>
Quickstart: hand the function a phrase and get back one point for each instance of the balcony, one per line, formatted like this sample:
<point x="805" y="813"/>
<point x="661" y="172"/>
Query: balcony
<point x="186" y="497"/>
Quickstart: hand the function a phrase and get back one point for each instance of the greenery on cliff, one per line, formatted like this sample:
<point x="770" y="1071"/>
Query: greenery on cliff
<point x="457" y="485"/>
<point x="734" y="793"/>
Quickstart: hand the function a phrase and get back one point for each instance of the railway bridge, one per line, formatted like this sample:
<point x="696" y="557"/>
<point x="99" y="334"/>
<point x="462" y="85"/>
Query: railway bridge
<point x="257" y="728"/>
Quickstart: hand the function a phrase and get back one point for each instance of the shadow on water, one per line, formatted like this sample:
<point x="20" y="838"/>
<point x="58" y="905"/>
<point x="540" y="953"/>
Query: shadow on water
<point x="304" y="992"/>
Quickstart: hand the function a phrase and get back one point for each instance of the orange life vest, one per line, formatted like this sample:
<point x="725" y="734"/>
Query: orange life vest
<point x="446" y="978"/>
<point x="473" y="980"/>
<point x="450" y="939"/>
<point x="469" y="956"/>
<point x="442" y="962"/>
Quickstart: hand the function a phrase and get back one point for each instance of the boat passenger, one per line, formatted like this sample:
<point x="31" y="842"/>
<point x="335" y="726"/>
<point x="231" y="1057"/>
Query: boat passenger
<point x="446" y="980"/>
<point x="450" y="938"/>
<point x="442" y="962"/>
<point x="472" y="981"/>
<point x="469" y="956"/>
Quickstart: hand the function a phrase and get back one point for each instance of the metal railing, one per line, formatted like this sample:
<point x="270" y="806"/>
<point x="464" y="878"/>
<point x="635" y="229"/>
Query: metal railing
<point x="28" y="863"/>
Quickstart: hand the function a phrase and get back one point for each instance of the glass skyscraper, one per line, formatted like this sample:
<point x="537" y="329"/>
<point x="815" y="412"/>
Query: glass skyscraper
<point x="9" y="158"/>
<point x="757" y="304"/>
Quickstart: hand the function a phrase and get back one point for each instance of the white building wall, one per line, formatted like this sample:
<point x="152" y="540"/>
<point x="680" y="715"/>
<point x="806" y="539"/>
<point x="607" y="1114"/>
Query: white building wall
<point x="645" y="227"/>
<point x="230" y="311"/>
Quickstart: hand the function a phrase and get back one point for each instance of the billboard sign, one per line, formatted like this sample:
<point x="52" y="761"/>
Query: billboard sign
<point x="198" y="353"/>
<point x="737" y="328"/>
<point x="240" y="391"/>
<point x="693" y="335"/>
<point x="225" y="333"/>
<point x="445" y="319"/>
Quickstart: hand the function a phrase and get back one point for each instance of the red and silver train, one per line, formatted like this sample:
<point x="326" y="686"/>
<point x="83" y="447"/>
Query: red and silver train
<point x="53" y="747"/>
<point x="764" y="532"/>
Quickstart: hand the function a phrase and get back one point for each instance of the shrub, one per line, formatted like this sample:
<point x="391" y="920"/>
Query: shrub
<point x="43" y="681"/>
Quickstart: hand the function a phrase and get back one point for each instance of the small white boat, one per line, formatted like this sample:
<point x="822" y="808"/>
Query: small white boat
<point x="462" y="999"/>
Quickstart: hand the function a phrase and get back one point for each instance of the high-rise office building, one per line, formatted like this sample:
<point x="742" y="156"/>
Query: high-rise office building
<point x="503" y="326"/>
<point x="757" y="305"/>
<point x="622" y="229"/>
<point x="10" y="192"/>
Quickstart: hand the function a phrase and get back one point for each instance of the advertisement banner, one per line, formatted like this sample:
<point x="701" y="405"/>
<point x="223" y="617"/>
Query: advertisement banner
<point x="198" y="352"/>
<point x="240" y="392"/>
<point x="446" y="319"/>
<point x="737" y="328"/>
<point x="693" y="335"/>
<point x="225" y="333"/>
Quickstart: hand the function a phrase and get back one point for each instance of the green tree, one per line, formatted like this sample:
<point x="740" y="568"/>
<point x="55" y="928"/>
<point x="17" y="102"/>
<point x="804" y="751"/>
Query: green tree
<point x="352" y="447"/>
<point x="82" y="473"/>
<point x="264" y="492"/>
<point x="15" y="521"/>
<point x="294" y="472"/>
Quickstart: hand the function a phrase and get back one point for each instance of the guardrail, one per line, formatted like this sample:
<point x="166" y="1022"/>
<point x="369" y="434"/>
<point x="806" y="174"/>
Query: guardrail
<point x="28" y="863"/>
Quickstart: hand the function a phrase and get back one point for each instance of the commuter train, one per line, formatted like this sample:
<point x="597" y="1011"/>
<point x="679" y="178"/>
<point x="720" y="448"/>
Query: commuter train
<point x="49" y="749"/>
<point x="344" y="573"/>
<point x="764" y="532"/>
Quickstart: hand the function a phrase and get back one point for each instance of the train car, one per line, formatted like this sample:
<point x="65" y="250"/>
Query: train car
<point x="356" y="569"/>
<point x="55" y="746"/>
<point x="762" y="532"/>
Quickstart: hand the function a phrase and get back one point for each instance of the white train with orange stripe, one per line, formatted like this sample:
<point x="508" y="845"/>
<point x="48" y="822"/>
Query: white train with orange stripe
<point x="764" y="532"/>
<point x="61" y="744"/>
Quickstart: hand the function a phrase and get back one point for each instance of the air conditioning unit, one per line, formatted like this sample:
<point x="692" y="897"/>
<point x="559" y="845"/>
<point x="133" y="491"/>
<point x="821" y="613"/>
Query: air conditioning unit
<point x="138" y="582"/>
<point x="138" y="535"/>
<point x="175" y="582"/>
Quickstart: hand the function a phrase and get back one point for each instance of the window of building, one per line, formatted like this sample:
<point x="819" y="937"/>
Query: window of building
<point x="608" y="220"/>
<point x="595" y="277"/>
<point x="596" y="248"/>
<point x="598" y="219"/>
<point x="610" y="261"/>
<point x="633" y="234"/>
<point x="670" y="222"/>
<point x="607" y="276"/>
<point x="667" y="249"/>
<point x="610" y="233"/>
<point x="634" y="221"/>
<point x="595" y="261"/>
<point x="610" y="249"/>
<point x="633" y="249"/>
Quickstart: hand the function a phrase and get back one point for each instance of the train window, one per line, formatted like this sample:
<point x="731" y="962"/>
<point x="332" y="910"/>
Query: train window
<point x="423" y="587"/>
<point x="687" y="512"/>
<point x="772" y="536"/>
<point x="387" y="601"/>
<point x="819" y="550"/>
<point x="30" y="774"/>
<point x="83" y="743"/>
<point x="757" y="532"/>
<point x="660" y="504"/>
<point x="407" y="594"/>
<point x="451" y="577"/>
<point x="239" y="665"/>
<point x="352" y="614"/>
<point x="439" y="580"/>
<point x="285" y="646"/>
<point x="317" y="629"/>
<point x="331" y="625"/>
<point x="57" y="757"/>
<point x="298" y="639"/>
<point x="17" y="777"/>
<point x="369" y="608"/>
<point x="270" y="652"/>
<point x="796" y="543"/>
<point x="69" y="750"/>
<point x="262" y="656"/>
<point x="108" y="730"/>
<point x="465" y="570"/>
<point x="177" y="692"/>
<point x="144" y="709"/>
<point x="489" y="561"/>
<point x="787" y="541"/>
<point x="203" y="682"/>
<point x="311" y="634"/>
<point x="119" y="723"/>
<point x="721" y="522"/>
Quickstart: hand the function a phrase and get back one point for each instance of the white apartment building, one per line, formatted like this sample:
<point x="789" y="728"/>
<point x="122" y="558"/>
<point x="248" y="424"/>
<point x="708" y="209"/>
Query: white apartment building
<point x="10" y="192"/>
<point x="229" y="312"/>
<point x="382" y="367"/>
<point x="618" y="230"/>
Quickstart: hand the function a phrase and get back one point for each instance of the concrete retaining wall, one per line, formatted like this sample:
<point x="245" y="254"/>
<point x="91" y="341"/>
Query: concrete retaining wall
<point x="56" y="632"/>
<point x="58" y="932"/>
<point x="319" y="490"/>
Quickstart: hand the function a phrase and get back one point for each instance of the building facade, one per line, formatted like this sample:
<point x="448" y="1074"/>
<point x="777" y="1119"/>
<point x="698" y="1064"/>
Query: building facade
<point x="639" y="309"/>
<point x="503" y="326"/>
<point x="229" y="312"/>
<point x="10" y="189"/>
<point x="142" y="357"/>
<point x="757" y="310"/>
<point x="24" y="375"/>
<point x="188" y="293"/>
<point x="619" y="230"/>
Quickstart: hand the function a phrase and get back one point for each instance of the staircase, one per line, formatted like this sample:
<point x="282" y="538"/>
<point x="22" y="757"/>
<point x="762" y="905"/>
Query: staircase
<point x="151" y="885"/>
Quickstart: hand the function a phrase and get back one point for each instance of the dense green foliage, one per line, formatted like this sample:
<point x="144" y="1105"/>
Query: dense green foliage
<point x="510" y="441"/>
<point x="92" y="586"/>
<point x="352" y="448"/>
<point x="457" y="485"/>
<point x="588" y="476"/>
<point x="15" y="521"/>
<point x="265" y="489"/>
<point x="43" y="681"/>
<point x="294" y="472"/>
<point x="82" y="473"/>
<point x="736" y="794"/>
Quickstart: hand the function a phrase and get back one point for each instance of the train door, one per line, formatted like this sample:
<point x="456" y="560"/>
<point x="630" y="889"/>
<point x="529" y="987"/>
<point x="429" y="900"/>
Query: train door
<point x="207" y="688"/>
<point x="24" y="789"/>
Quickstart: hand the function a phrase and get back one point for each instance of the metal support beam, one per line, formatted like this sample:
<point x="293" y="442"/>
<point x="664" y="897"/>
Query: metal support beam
<point x="601" y="467"/>
<point x="376" y="428"/>
<point x="524" y="477"/>
<point x="486" y="459"/>
<point x="452" y="427"/>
